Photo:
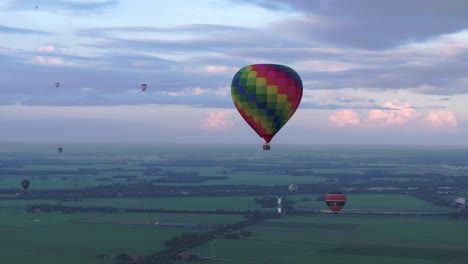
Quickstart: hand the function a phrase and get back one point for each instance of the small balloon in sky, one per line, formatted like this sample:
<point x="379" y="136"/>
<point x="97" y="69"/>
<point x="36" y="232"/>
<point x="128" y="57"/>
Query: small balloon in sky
<point x="266" y="96"/>
<point x="57" y="85"/>
<point x="143" y="86"/>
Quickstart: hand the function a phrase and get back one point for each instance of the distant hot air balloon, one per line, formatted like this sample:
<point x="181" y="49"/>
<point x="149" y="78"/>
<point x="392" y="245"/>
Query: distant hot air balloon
<point x="143" y="87"/>
<point x="60" y="149"/>
<point x="25" y="184"/>
<point x="266" y="96"/>
<point x="293" y="188"/>
<point x="280" y="207"/>
<point x="335" y="201"/>
<point x="57" y="85"/>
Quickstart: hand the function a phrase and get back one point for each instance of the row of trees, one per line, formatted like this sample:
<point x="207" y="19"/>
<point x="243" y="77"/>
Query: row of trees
<point x="44" y="207"/>
<point x="36" y="208"/>
<point x="218" y="211"/>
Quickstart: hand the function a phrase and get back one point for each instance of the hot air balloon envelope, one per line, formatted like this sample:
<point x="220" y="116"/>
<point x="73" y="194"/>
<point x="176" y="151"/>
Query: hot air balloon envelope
<point x="266" y="96"/>
<point x="293" y="188"/>
<point x="57" y="85"/>
<point x="335" y="201"/>
<point x="25" y="184"/>
<point x="143" y="87"/>
<point x="60" y="149"/>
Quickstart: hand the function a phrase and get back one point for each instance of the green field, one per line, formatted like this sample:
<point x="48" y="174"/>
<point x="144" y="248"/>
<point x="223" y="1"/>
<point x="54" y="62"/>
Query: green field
<point x="292" y="239"/>
<point x="46" y="238"/>
<point x="57" y="239"/>
<point x="347" y="239"/>
<point x="111" y="159"/>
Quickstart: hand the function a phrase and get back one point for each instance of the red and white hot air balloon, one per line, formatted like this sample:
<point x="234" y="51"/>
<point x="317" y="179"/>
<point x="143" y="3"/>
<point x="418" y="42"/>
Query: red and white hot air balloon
<point x="335" y="201"/>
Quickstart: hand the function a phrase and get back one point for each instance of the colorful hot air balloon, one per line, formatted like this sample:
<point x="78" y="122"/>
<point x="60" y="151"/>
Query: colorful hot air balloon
<point x="143" y="86"/>
<point x="25" y="184"/>
<point x="293" y="188"/>
<point x="266" y="96"/>
<point x="60" y="149"/>
<point x="335" y="201"/>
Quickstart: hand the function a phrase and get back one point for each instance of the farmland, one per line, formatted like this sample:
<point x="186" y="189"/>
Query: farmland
<point x="218" y="185"/>
<point x="353" y="239"/>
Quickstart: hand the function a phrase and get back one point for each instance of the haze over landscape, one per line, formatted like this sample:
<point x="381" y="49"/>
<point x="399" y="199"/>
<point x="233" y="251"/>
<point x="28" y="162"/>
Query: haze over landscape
<point x="374" y="72"/>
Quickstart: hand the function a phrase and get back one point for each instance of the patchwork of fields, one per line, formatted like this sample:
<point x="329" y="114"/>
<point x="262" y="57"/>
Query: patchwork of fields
<point x="56" y="237"/>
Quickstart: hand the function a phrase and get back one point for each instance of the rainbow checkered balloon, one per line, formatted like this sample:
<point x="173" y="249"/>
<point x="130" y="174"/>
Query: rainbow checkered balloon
<point x="266" y="96"/>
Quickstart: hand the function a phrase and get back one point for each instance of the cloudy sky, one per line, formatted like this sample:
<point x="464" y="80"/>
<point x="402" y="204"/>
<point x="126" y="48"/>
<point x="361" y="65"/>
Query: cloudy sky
<point x="374" y="72"/>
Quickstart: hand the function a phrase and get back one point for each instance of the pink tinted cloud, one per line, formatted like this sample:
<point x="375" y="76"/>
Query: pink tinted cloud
<point x="51" y="61"/>
<point x="397" y="114"/>
<point x="219" y="120"/>
<point x="55" y="49"/>
<point x="442" y="119"/>
<point x="345" y="117"/>
<point x="48" y="48"/>
<point x="217" y="69"/>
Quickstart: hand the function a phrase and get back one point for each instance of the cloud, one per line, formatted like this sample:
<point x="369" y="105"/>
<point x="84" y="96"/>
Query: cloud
<point x="339" y="99"/>
<point x="343" y="98"/>
<point x="210" y="69"/>
<point x="111" y="77"/>
<point x="23" y="31"/>
<point x="443" y="78"/>
<point x="326" y="65"/>
<point x="345" y="117"/>
<point x="400" y="114"/>
<point x="179" y="29"/>
<point x="433" y="90"/>
<point x="174" y="59"/>
<point x="55" y="49"/>
<point x="205" y="39"/>
<point x="411" y="66"/>
<point x="442" y="119"/>
<point x="372" y="24"/>
<point x="180" y="115"/>
<point x="216" y="69"/>
<point x="67" y="5"/>
<point x="164" y="44"/>
<point x="51" y="61"/>
<point x="197" y="91"/>
<point x="112" y="86"/>
<point x="220" y="120"/>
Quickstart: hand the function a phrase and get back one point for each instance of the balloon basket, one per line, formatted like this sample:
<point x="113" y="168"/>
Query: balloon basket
<point x="266" y="147"/>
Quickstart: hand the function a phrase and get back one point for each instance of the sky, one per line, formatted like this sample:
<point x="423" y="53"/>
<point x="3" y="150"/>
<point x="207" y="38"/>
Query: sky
<point x="373" y="71"/>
